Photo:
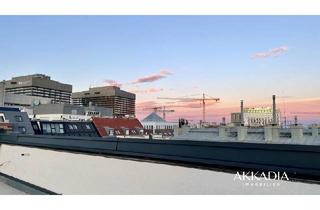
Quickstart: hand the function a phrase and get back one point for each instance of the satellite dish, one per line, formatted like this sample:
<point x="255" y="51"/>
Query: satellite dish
<point x="36" y="102"/>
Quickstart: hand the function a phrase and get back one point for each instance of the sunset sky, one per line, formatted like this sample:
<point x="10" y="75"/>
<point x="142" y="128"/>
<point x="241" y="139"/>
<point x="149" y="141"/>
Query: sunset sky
<point x="230" y="57"/>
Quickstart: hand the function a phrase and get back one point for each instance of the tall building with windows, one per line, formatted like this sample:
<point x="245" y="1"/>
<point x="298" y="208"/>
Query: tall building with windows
<point x="2" y="93"/>
<point x="39" y="85"/>
<point x="122" y="102"/>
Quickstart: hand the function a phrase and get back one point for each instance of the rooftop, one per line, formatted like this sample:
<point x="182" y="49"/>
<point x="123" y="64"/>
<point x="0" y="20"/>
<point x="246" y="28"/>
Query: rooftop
<point x="103" y="91"/>
<point x="42" y="76"/>
<point x="153" y="117"/>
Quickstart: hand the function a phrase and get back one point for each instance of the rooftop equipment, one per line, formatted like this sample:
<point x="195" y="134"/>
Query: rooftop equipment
<point x="241" y="111"/>
<point x="274" y="111"/>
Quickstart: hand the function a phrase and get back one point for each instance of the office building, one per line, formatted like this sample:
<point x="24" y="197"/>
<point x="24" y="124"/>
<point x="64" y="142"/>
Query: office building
<point x="26" y="101"/>
<point x="39" y="85"/>
<point x="2" y="93"/>
<point x="69" y="112"/>
<point x="122" y="102"/>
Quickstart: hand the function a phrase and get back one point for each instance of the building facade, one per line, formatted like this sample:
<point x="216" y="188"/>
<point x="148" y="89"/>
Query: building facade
<point x="236" y="118"/>
<point x="154" y="124"/>
<point x="24" y="101"/>
<point x="39" y="85"/>
<point x="122" y="102"/>
<point x="69" y="112"/>
<point x="2" y="93"/>
<point x="256" y="117"/>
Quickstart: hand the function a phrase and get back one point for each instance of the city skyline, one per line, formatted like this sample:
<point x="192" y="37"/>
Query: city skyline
<point x="230" y="57"/>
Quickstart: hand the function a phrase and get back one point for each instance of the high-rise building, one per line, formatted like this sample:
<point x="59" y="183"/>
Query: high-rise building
<point x="2" y="93"/>
<point x="39" y="85"/>
<point x="122" y="102"/>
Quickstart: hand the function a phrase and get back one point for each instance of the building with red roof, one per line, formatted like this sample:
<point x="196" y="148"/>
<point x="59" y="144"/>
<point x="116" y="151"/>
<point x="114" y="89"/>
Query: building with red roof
<point x="118" y="126"/>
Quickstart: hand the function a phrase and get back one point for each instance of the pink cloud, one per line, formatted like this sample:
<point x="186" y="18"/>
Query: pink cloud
<point x="154" y="77"/>
<point x="274" y="52"/>
<point x="112" y="83"/>
<point x="145" y="91"/>
<point x="146" y="104"/>
<point x="155" y="90"/>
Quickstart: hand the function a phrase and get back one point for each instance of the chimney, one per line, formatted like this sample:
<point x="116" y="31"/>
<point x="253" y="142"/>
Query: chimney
<point x="223" y="121"/>
<point x="274" y="110"/>
<point x="241" y="113"/>
<point x="295" y="120"/>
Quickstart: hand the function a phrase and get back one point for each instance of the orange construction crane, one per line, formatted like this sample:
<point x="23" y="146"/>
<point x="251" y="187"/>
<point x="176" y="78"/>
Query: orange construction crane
<point x="203" y="100"/>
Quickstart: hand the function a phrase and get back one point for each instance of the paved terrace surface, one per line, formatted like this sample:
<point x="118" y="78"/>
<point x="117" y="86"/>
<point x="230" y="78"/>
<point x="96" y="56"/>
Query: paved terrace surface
<point x="74" y="173"/>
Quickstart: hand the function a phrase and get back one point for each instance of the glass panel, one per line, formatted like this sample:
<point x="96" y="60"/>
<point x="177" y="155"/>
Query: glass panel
<point x="18" y="118"/>
<point x="22" y="129"/>
<point x="61" y="128"/>
<point x="53" y="129"/>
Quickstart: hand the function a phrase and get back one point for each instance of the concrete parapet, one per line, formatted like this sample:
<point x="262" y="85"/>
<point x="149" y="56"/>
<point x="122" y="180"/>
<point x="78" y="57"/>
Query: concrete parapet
<point x="315" y="131"/>
<point x="181" y="131"/>
<point x="223" y="132"/>
<point x="242" y="133"/>
<point x="271" y="133"/>
<point x="297" y="133"/>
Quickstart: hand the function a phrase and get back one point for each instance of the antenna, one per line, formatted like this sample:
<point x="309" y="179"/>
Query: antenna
<point x="274" y="111"/>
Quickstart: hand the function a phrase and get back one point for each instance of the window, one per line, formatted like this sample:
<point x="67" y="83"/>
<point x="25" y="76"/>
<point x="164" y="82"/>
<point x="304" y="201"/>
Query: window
<point x="1" y="118"/>
<point x="75" y="127"/>
<point x="59" y="128"/>
<point x="70" y="126"/>
<point x="22" y="129"/>
<point x="53" y="128"/>
<point x="46" y="128"/>
<point x="19" y="118"/>
<point x="35" y="127"/>
<point x="88" y="127"/>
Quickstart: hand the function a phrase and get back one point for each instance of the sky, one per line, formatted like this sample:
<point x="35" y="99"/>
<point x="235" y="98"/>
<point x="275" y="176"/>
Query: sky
<point x="228" y="57"/>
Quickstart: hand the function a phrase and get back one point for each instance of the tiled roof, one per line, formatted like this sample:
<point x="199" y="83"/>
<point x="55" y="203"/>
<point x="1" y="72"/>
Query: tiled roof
<point x="116" y="123"/>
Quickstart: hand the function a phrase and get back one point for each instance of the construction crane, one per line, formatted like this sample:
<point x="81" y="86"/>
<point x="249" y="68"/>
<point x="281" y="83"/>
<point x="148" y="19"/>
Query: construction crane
<point x="203" y="100"/>
<point x="161" y="109"/>
<point x="284" y="107"/>
<point x="311" y="113"/>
